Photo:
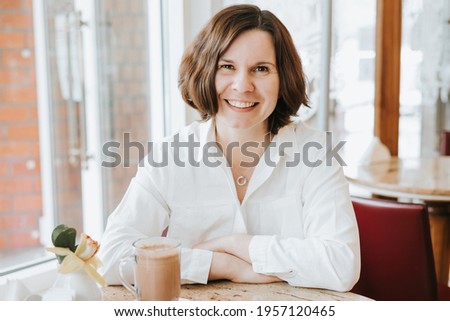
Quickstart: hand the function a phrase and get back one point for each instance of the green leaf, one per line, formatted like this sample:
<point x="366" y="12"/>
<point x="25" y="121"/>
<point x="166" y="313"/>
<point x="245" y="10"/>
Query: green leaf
<point x="64" y="236"/>
<point x="58" y="230"/>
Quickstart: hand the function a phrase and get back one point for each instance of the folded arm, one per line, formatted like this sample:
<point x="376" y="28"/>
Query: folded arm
<point x="231" y="260"/>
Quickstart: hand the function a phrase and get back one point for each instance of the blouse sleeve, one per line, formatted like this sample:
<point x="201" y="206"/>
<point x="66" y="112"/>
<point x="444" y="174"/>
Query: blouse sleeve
<point x="144" y="213"/>
<point x="328" y="256"/>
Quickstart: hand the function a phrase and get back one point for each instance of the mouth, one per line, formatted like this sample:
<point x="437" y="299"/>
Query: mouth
<point x="241" y="104"/>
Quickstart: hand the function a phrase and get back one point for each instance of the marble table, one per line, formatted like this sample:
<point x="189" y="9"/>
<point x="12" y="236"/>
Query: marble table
<point x="229" y="291"/>
<point x="425" y="180"/>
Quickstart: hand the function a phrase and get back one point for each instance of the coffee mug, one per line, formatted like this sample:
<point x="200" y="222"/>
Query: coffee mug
<point x="156" y="269"/>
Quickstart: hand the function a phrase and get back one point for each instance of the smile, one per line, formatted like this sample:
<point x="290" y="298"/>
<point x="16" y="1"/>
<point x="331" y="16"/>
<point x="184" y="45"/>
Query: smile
<point x="241" y="104"/>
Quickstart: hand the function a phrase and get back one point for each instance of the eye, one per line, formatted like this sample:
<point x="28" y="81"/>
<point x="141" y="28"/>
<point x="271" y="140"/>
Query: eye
<point x="226" y="66"/>
<point x="262" y="69"/>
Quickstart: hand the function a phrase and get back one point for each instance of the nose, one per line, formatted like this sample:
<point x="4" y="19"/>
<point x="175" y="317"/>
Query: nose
<point x="243" y="82"/>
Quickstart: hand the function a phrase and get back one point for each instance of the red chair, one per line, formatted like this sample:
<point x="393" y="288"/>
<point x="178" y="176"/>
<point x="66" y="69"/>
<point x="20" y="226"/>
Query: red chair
<point x="445" y="143"/>
<point x="396" y="254"/>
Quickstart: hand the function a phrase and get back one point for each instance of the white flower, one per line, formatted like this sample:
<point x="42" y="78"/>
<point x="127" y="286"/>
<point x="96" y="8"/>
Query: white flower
<point x="87" y="247"/>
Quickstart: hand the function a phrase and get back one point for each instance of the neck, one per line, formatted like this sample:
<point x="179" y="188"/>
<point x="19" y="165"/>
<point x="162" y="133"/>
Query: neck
<point x="226" y="135"/>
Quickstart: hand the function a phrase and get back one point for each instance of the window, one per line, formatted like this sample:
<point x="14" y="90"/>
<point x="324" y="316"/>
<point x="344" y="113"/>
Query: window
<point x="353" y="74"/>
<point x="425" y="80"/>
<point x="92" y="88"/>
<point x="20" y="175"/>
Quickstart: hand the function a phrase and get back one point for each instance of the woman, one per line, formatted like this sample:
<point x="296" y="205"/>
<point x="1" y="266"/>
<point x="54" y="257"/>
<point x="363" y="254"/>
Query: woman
<point x="250" y="194"/>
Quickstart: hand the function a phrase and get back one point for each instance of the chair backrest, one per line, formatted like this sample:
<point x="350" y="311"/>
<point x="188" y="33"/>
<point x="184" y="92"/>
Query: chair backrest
<point x="445" y="143"/>
<point x="396" y="252"/>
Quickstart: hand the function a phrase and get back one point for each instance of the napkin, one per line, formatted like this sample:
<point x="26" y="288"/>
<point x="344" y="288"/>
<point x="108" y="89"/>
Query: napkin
<point x="16" y="290"/>
<point x="59" y="294"/>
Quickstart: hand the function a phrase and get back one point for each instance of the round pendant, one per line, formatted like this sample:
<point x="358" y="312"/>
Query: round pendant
<point x="241" y="180"/>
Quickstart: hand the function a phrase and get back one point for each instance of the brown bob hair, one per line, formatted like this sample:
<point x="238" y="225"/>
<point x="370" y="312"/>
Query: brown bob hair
<point x="199" y="63"/>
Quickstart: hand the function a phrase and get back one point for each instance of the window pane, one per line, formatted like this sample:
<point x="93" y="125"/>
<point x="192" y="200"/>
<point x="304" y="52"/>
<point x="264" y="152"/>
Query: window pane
<point x="123" y="64"/>
<point x="66" y="103"/>
<point x="123" y="77"/>
<point x="425" y="81"/>
<point x="353" y="74"/>
<point x="20" y="178"/>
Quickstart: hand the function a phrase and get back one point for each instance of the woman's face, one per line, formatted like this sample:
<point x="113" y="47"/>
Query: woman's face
<point x="247" y="81"/>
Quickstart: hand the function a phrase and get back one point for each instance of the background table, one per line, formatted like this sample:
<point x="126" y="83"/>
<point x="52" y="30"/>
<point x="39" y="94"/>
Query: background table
<point x="229" y="291"/>
<point x="426" y="180"/>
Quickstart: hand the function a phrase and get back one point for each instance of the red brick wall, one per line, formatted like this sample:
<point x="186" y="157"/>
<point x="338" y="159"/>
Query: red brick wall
<point x="126" y="50"/>
<point x="20" y="186"/>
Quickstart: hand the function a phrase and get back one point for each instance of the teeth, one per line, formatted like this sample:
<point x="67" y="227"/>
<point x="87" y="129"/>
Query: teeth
<point x="241" y="104"/>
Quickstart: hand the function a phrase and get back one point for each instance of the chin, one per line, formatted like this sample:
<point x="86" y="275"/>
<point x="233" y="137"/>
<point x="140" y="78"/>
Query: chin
<point x="242" y="122"/>
<point x="239" y="124"/>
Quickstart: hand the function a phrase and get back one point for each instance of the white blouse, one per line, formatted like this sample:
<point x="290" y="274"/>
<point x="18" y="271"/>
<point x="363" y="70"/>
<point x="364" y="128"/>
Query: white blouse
<point x="298" y="210"/>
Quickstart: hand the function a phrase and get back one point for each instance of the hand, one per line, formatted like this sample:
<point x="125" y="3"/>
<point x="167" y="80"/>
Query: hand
<point x="229" y="267"/>
<point x="236" y="245"/>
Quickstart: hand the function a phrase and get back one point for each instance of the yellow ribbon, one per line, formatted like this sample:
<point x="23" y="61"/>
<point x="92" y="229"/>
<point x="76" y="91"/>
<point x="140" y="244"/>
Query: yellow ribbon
<point x="72" y="263"/>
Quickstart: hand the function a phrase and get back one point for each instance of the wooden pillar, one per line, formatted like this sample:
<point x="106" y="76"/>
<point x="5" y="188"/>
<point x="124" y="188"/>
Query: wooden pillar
<point x="387" y="72"/>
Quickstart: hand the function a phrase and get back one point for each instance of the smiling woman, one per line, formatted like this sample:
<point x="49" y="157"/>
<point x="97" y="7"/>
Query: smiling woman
<point x="246" y="221"/>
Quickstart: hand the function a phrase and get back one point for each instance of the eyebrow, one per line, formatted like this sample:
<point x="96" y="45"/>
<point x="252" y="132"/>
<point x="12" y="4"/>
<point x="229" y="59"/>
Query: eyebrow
<point x="256" y="64"/>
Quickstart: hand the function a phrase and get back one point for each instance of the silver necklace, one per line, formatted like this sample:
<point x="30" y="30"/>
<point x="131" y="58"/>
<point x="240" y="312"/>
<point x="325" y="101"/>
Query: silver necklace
<point x="241" y="180"/>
